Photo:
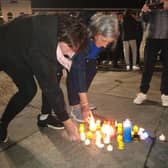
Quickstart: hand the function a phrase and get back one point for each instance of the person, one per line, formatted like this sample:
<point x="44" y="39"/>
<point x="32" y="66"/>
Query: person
<point x="157" y="40"/>
<point x="118" y="48"/>
<point x="32" y="48"/>
<point x="129" y="27"/>
<point x="103" y="29"/>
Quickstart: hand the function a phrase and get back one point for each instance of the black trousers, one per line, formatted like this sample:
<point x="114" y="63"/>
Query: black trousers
<point x="46" y="107"/>
<point x="153" y="46"/>
<point x="72" y="90"/>
<point x="27" y="88"/>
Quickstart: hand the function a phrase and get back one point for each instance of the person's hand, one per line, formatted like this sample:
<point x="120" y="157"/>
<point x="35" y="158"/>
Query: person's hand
<point x="72" y="130"/>
<point x="145" y="8"/>
<point x="86" y="113"/>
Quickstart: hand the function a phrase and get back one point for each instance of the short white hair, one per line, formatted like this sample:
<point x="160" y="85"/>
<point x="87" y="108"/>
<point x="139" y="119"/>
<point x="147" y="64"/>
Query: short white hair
<point x="104" y="24"/>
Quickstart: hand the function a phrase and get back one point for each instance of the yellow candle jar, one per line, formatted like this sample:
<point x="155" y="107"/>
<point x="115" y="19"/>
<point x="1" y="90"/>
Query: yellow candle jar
<point x="81" y="128"/>
<point x="89" y="135"/>
<point x="119" y="128"/>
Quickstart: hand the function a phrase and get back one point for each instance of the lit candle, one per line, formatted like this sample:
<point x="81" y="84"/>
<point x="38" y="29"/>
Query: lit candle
<point x="82" y="136"/>
<point x="87" y="142"/>
<point x="109" y="147"/>
<point x="92" y="124"/>
<point x="107" y="132"/>
<point x="89" y="135"/>
<point x="98" y="124"/>
<point x="81" y="128"/>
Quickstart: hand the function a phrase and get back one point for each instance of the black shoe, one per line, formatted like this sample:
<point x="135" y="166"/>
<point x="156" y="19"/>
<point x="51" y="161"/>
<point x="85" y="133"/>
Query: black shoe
<point x="3" y="133"/>
<point x="51" y="122"/>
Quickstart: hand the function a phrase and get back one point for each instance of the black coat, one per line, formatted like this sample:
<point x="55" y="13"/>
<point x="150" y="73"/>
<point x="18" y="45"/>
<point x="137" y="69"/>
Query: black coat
<point x="30" y="42"/>
<point x="157" y="24"/>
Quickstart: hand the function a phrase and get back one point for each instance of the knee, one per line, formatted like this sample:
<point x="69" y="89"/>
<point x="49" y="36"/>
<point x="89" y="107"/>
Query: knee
<point x="29" y="92"/>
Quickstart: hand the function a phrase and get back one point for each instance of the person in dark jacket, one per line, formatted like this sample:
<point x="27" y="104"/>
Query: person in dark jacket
<point x="157" y="41"/>
<point x="129" y="27"/>
<point x="32" y="47"/>
<point x="103" y="29"/>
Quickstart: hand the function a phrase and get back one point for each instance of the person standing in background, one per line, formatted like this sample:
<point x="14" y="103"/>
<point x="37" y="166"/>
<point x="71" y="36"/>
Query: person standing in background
<point x="129" y="27"/>
<point x="155" y="15"/>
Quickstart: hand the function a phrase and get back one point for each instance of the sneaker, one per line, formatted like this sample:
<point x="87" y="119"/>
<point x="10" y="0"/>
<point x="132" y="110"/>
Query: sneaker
<point x="3" y="133"/>
<point x="76" y="113"/>
<point x="141" y="97"/>
<point x="49" y="121"/>
<point x="164" y="99"/>
<point x="135" y="67"/>
<point x="128" y="68"/>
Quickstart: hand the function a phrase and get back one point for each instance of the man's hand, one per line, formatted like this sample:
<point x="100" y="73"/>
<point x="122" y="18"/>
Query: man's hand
<point x="146" y="8"/>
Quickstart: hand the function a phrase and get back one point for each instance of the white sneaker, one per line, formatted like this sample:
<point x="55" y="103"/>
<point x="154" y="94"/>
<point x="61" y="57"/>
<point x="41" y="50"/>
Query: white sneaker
<point x="141" y="97"/>
<point x="135" y="67"/>
<point x="127" y="67"/>
<point x="164" y="99"/>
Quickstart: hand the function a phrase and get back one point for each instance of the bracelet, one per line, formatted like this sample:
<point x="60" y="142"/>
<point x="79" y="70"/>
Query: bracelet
<point x="85" y="104"/>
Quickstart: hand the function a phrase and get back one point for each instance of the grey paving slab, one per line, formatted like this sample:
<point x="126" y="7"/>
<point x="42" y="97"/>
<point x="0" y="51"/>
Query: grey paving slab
<point x="113" y="93"/>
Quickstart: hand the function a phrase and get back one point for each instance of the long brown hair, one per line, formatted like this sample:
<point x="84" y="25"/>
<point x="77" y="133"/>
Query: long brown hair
<point x="72" y="31"/>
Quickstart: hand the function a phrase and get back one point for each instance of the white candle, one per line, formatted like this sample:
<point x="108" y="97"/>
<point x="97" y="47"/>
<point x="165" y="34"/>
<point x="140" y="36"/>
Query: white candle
<point x="109" y="147"/>
<point x="82" y="136"/>
<point x="87" y="142"/>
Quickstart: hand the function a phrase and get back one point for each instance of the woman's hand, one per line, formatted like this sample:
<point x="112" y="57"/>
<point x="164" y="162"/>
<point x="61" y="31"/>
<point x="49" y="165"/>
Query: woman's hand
<point x="86" y="113"/>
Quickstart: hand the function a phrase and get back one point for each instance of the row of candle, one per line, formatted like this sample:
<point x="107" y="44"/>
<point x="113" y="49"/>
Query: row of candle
<point x="103" y="133"/>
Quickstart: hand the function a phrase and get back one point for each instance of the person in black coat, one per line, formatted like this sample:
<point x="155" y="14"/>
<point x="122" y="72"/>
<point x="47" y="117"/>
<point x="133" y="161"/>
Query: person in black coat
<point x="29" y="47"/>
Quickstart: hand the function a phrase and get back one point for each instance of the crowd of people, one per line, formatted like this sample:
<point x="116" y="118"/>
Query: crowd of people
<point x="47" y="44"/>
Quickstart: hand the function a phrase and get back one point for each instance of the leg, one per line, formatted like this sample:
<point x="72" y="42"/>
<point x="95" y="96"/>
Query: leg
<point x="46" y="108"/>
<point x="27" y="88"/>
<point x="26" y="91"/>
<point x="164" y="60"/>
<point x="126" y="52"/>
<point x="133" y="46"/>
<point x="150" y="55"/>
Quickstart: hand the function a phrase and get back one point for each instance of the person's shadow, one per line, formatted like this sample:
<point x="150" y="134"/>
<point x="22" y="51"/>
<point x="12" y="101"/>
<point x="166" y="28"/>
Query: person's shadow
<point x="16" y="155"/>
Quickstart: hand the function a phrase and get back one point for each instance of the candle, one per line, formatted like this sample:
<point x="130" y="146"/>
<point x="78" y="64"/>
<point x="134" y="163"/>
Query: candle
<point x="81" y="128"/>
<point x="89" y="135"/>
<point x="92" y="124"/>
<point x="87" y="142"/>
<point x="106" y="138"/>
<point x="98" y="124"/>
<point x="119" y="138"/>
<point x="98" y="137"/>
<point x="127" y="127"/>
<point x="119" y="128"/>
<point x="120" y="145"/>
<point x="82" y="136"/>
<point x="109" y="147"/>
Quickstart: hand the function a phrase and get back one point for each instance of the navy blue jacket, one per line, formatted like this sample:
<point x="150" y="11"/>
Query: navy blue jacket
<point x="78" y="69"/>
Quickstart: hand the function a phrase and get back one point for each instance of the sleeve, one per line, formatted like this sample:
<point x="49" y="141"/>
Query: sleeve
<point x="77" y="73"/>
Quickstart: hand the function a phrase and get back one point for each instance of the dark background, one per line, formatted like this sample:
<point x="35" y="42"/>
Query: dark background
<point x="87" y="3"/>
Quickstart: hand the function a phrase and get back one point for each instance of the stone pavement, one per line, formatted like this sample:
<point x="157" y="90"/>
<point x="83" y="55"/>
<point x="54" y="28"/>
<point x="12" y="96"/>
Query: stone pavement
<point x="113" y="93"/>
